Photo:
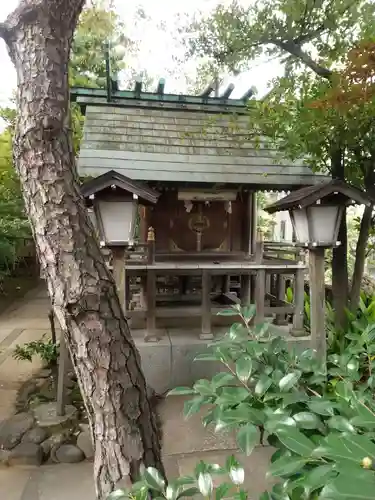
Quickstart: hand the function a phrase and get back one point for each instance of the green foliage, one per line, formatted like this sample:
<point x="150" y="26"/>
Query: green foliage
<point x="321" y="419"/>
<point x="46" y="349"/>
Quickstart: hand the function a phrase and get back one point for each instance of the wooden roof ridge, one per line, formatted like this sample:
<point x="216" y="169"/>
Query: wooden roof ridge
<point x="309" y="195"/>
<point x="111" y="178"/>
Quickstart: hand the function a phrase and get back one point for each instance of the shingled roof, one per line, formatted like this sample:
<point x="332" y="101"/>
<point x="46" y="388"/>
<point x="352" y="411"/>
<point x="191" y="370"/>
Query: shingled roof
<point x="113" y="178"/>
<point x="185" y="140"/>
<point x="306" y="196"/>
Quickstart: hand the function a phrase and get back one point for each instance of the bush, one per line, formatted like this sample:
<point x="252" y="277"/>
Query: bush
<point x="47" y="350"/>
<point x="320" y="418"/>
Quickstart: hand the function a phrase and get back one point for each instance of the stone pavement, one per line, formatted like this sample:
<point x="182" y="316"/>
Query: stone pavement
<point x="186" y="442"/>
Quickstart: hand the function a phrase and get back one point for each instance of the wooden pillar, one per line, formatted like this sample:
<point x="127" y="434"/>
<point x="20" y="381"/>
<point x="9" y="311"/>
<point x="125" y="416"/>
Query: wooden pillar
<point x="317" y="302"/>
<point x="254" y="222"/>
<point x="299" y="303"/>
<point x="151" y="245"/>
<point x="260" y="280"/>
<point x="151" y="333"/>
<point x="280" y="294"/>
<point x="206" y="333"/>
<point x="246" y="289"/>
<point x="63" y="358"/>
<point x="119" y="274"/>
<point x="225" y="284"/>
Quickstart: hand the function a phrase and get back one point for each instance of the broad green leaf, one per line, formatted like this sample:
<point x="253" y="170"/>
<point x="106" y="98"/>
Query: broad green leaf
<point x="153" y="479"/>
<point x="249" y="312"/>
<point x="194" y="405"/>
<point x="263" y="384"/>
<point x="221" y="379"/>
<point x="295" y="441"/>
<point x="290" y="380"/>
<point x="286" y="465"/>
<point x="180" y="391"/>
<point x="340" y="423"/>
<point x="347" y="488"/>
<point x="119" y="495"/>
<point x="365" y="417"/>
<point x="244" y="366"/>
<point x="205" y="484"/>
<point x="232" y="395"/>
<point x="318" y="477"/>
<point x="189" y="492"/>
<point x="222" y="490"/>
<point x="293" y="397"/>
<point x="307" y="420"/>
<point x="321" y="407"/>
<point x="344" y="389"/>
<point x="248" y="438"/>
<point x="347" y="447"/>
<point x="204" y="388"/>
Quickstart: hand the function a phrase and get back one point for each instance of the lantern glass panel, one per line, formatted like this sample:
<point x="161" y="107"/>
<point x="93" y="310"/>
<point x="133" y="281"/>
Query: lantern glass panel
<point x="117" y="219"/>
<point x="301" y="228"/>
<point x="323" y="220"/>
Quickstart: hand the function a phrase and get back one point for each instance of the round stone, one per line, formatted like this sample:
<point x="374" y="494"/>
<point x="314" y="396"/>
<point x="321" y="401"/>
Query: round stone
<point x="69" y="454"/>
<point x="12" y="430"/>
<point x="84" y="443"/>
<point x="26" y="454"/>
<point x="36" y="435"/>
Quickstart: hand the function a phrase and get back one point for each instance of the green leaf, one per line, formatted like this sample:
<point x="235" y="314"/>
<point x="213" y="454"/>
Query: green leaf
<point x="365" y="417"/>
<point x="346" y="447"/>
<point x="263" y="384"/>
<point x="204" y="388"/>
<point x="286" y="466"/>
<point x="189" y="492"/>
<point x="119" y="495"/>
<point x="307" y="420"/>
<point x="290" y="380"/>
<point x="247" y="438"/>
<point x="243" y="368"/>
<point x="207" y="356"/>
<point x="179" y="391"/>
<point x="232" y="395"/>
<point x="205" y="484"/>
<point x="321" y="407"/>
<point x="340" y="423"/>
<point x="344" y="389"/>
<point x="318" y="477"/>
<point x="153" y="479"/>
<point x="221" y="379"/>
<point x="222" y="490"/>
<point x="228" y="312"/>
<point x="347" y="488"/>
<point x="249" y="312"/>
<point x="194" y="405"/>
<point x="295" y="441"/>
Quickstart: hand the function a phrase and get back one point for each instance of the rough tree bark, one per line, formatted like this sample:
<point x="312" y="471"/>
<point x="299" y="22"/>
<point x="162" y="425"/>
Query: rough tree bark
<point x="360" y="257"/>
<point x="124" y="426"/>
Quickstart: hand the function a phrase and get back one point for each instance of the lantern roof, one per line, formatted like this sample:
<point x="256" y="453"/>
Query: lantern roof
<point x="112" y="178"/>
<point x="309" y="195"/>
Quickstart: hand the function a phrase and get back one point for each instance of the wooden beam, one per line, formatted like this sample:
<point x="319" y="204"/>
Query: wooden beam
<point x="280" y="294"/>
<point x="63" y="358"/>
<point x="206" y="306"/>
<point x="317" y="302"/>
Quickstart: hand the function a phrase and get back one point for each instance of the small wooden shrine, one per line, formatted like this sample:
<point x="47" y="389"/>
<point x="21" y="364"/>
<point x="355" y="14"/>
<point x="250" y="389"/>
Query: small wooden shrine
<point x="197" y="247"/>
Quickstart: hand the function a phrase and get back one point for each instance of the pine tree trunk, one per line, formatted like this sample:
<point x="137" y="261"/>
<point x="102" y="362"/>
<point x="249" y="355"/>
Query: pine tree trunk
<point x="83" y="293"/>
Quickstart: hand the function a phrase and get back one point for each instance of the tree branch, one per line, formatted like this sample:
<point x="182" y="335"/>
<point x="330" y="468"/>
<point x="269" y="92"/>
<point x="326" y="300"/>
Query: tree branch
<point x="296" y="51"/>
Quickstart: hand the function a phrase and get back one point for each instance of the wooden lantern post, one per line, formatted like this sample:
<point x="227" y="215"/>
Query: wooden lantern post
<point x="316" y="213"/>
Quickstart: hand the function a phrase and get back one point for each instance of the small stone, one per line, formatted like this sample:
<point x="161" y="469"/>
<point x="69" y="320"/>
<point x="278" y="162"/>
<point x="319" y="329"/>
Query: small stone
<point x="69" y="454"/>
<point x="45" y="373"/>
<point x="53" y="442"/>
<point x="12" y="430"/>
<point x="46" y="416"/>
<point x="36" y="435"/>
<point x="69" y="383"/>
<point x="26" y="454"/>
<point x="4" y="458"/>
<point x="84" y="443"/>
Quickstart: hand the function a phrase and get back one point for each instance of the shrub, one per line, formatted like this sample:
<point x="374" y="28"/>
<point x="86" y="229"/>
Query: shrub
<point x="46" y="349"/>
<point x="319" y="417"/>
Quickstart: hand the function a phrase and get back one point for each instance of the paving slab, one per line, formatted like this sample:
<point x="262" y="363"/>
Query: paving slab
<point x="13" y="483"/>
